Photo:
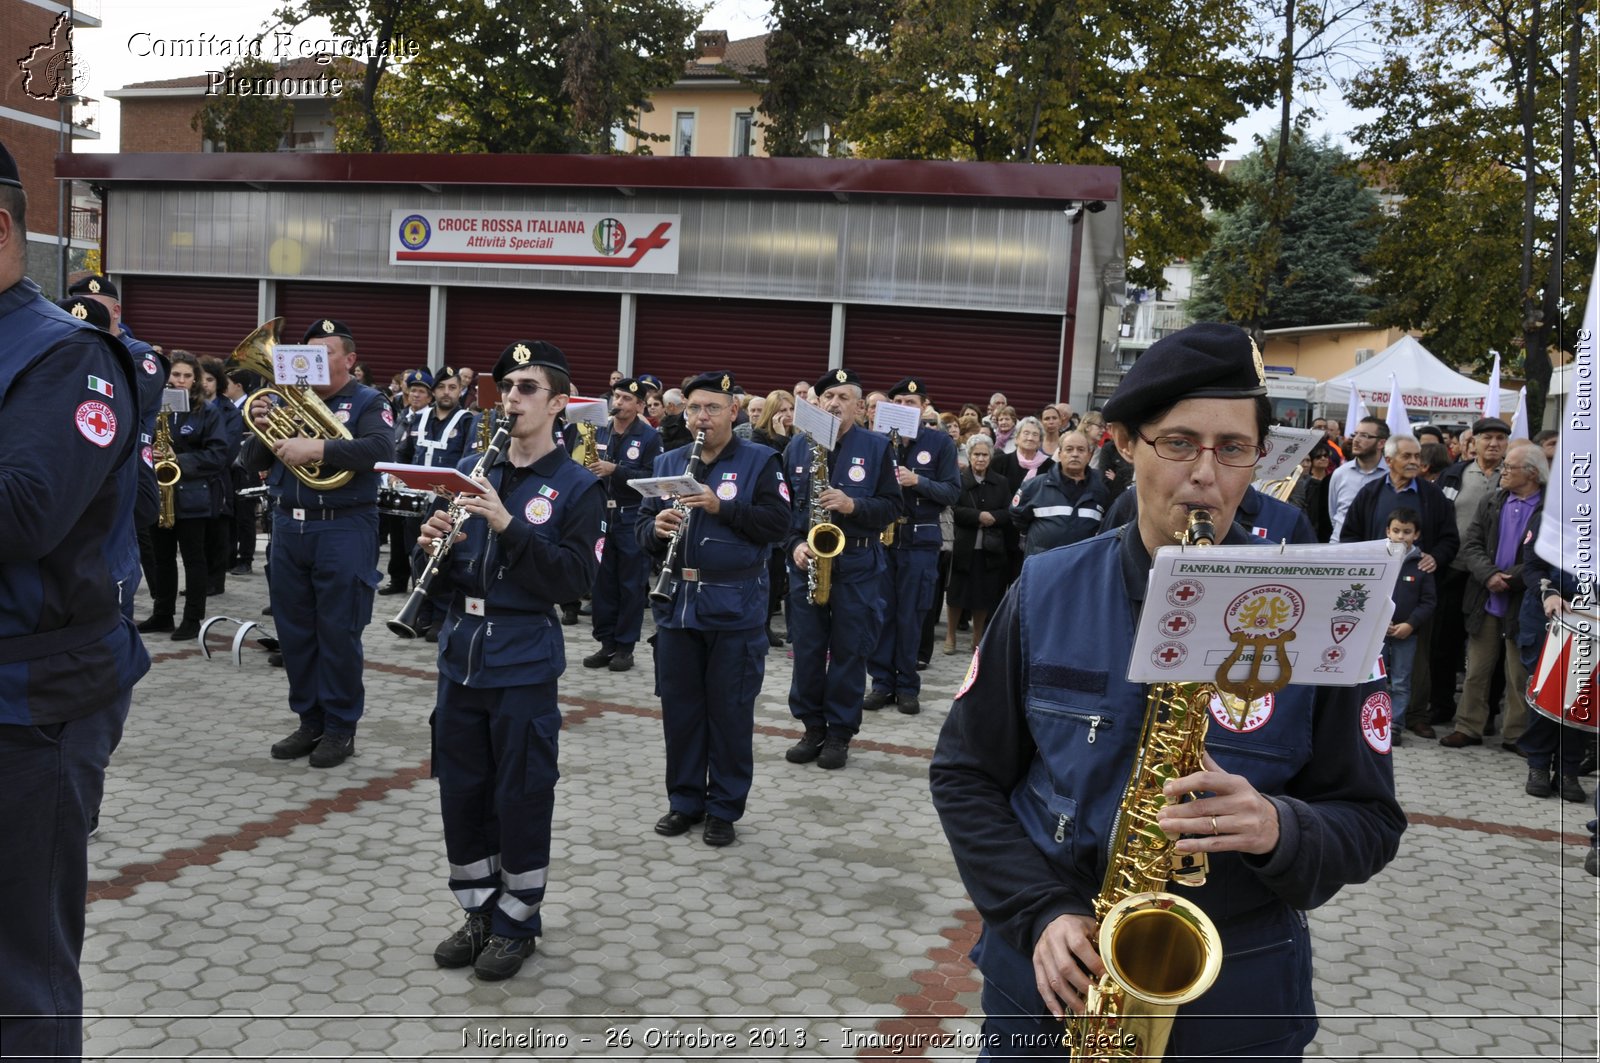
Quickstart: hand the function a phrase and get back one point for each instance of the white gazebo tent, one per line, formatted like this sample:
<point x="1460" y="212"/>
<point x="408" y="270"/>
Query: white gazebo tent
<point x="1430" y="389"/>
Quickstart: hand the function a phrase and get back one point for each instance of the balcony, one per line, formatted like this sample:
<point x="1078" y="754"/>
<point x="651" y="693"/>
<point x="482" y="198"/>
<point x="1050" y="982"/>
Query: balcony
<point x="86" y="224"/>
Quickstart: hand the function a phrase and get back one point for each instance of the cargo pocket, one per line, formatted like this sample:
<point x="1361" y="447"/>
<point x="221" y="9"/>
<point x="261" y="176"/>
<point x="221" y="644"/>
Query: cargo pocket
<point x="539" y="769"/>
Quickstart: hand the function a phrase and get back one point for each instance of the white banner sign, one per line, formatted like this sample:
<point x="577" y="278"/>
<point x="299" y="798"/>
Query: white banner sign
<point x="1285" y="448"/>
<point x="638" y="243"/>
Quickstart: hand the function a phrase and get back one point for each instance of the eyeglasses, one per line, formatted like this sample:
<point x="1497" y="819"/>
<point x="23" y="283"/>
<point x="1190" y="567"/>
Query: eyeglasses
<point x="528" y="387"/>
<point x="710" y="409"/>
<point x="1181" y="448"/>
<point x="930" y="424"/>
<point x="1365" y="435"/>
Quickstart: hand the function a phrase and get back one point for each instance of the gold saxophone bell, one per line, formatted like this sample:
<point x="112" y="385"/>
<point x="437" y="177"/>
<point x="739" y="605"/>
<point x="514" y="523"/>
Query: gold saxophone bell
<point x="168" y="472"/>
<point x="585" y="452"/>
<point x="301" y="413"/>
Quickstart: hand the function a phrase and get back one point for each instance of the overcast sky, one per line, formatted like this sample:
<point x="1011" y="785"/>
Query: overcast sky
<point x="117" y="53"/>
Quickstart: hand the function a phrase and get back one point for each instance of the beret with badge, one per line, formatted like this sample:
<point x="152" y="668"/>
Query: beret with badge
<point x="909" y="386"/>
<point x="9" y="175"/>
<point x="443" y="373"/>
<point x="94" y="284"/>
<point x="324" y="327"/>
<point x="419" y="378"/>
<point x="1204" y="361"/>
<point x="633" y="386"/>
<point x="525" y="354"/>
<point x="1490" y="424"/>
<point x="95" y="313"/>
<point x="720" y="381"/>
<point x="834" y="378"/>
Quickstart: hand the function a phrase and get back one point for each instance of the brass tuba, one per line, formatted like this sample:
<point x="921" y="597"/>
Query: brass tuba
<point x="299" y="412"/>
<point x="167" y="471"/>
<point x="1159" y="949"/>
<point x="824" y="538"/>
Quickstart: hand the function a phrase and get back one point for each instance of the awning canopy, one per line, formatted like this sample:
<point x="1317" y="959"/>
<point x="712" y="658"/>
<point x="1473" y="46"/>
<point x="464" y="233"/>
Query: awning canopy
<point x="1427" y="385"/>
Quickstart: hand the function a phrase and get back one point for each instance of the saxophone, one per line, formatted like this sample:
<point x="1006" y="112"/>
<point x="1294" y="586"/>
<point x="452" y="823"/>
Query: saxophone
<point x="1159" y="949"/>
<point x="886" y="537"/>
<point x="586" y="451"/>
<point x="167" y="471"/>
<point x="824" y="538"/>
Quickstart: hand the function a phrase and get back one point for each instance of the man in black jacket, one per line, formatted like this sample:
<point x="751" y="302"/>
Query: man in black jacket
<point x="1368" y="516"/>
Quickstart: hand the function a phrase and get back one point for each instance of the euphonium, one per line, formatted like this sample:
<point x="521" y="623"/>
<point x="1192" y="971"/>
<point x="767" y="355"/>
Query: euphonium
<point x="824" y="538"/>
<point x="301" y="413"/>
<point x="1159" y="950"/>
<point x="585" y="453"/>
<point x="167" y="471"/>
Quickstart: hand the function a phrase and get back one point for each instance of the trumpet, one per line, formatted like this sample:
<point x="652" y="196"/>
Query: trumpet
<point x="167" y="471"/>
<point x="404" y="623"/>
<point x="299" y="412"/>
<point x="824" y="539"/>
<point x="667" y="582"/>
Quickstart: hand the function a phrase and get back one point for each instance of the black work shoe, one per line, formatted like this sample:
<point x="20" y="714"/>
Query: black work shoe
<point x="569" y="615"/>
<point x="922" y="664"/>
<point x="463" y="947"/>
<point x="621" y="661"/>
<point x="1571" y="790"/>
<point x="333" y="750"/>
<point x="156" y="623"/>
<point x="243" y="568"/>
<point x="875" y="700"/>
<point x="835" y="751"/>
<point x="189" y="629"/>
<point x="296" y="745"/>
<point x="502" y="957"/>
<point x="1538" y="783"/>
<point x="599" y="658"/>
<point x="393" y="588"/>
<point x="432" y="634"/>
<point x="275" y="659"/>
<point x="719" y="832"/>
<point x="1590" y="761"/>
<point x="675" y="823"/>
<point x="807" y="749"/>
<point x="908" y="704"/>
<point x="217" y="589"/>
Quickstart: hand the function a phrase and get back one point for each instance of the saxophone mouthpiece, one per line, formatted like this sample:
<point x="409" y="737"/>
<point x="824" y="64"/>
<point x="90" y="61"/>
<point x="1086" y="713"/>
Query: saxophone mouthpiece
<point x="1202" y="531"/>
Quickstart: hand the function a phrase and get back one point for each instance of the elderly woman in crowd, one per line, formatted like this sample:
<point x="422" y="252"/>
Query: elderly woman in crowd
<point x="980" y="562"/>
<point x="1029" y="459"/>
<point x="1005" y="429"/>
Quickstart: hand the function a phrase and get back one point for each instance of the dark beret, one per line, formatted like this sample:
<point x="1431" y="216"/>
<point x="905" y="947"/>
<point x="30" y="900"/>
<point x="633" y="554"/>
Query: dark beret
<point x="1204" y="361"/>
<point x="633" y="386"/>
<point x="324" y="327"/>
<point x="833" y="378"/>
<point x="9" y="174"/>
<point x="95" y="284"/>
<point x="1489" y="424"/>
<point x="419" y="378"/>
<point x="909" y="386"/>
<point x="443" y="373"/>
<point x="720" y="381"/>
<point x="95" y="313"/>
<point x="525" y="354"/>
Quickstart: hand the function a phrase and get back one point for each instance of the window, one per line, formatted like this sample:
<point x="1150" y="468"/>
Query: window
<point x="683" y="133"/>
<point x="744" y="133"/>
<point x="619" y="139"/>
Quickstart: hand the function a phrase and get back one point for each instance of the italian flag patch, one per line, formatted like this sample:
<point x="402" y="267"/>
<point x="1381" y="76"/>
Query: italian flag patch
<point x="102" y="386"/>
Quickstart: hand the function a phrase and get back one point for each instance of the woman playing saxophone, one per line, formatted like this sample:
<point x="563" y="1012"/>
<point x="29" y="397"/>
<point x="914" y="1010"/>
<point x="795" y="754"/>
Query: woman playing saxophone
<point x="1288" y="799"/>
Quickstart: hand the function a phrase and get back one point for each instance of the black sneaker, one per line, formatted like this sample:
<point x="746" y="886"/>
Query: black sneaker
<point x="1571" y="790"/>
<point x="1538" y="783"/>
<point x="808" y="748"/>
<point x="333" y="750"/>
<point x="875" y="700"/>
<point x="462" y="948"/>
<point x="243" y="568"/>
<point x="908" y="704"/>
<point x="502" y="957"/>
<point x="156" y="623"/>
<point x="296" y="745"/>
<point x="600" y="658"/>
<point x="835" y="751"/>
<point x="621" y="661"/>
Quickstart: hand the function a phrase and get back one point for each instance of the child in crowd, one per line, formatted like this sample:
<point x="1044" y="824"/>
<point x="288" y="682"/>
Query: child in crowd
<point x="1414" y="600"/>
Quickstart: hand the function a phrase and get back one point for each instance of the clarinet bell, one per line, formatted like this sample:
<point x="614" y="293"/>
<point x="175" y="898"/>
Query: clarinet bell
<point x="404" y="624"/>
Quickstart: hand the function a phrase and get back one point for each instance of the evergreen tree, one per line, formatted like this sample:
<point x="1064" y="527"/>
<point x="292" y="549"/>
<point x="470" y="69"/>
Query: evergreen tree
<point x="1312" y="266"/>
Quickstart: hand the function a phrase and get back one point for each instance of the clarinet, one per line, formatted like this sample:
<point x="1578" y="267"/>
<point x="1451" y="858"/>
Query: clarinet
<point x="667" y="582"/>
<point x="403" y="624"/>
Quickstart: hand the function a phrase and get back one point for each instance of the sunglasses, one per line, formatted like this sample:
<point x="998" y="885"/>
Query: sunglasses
<point x="528" y="387"/>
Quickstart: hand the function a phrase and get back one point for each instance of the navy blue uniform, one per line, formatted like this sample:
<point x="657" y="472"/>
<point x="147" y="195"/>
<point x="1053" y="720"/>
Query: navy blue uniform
<point x="500" y="653"/>
<point x="69" y="655"/>
<point x="622" y="586"/>
<point x="324" y="562"/>
<point x="1054" y="510"/>
<point x="150" y="369"/>
<point x="831" y="642"/>
<point x="711" y="640"/>
<point x="438" y="442"/>
<point x="911" y="573"/>
<point x="1032" y="764"/>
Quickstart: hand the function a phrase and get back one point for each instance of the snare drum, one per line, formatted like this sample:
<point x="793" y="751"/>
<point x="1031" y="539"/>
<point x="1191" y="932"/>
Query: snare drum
<point x="1562" y="686"/>
<point x="404" y="501"/>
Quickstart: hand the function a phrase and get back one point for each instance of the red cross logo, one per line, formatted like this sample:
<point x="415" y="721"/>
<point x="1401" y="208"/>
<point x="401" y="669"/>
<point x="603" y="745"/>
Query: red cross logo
<point x="96" y="422"/>
<point x="1177" y="625"/>
<point x="1184" y="593"/>
<point x="1169" y="655"/>
<point x="1341" y="630"/>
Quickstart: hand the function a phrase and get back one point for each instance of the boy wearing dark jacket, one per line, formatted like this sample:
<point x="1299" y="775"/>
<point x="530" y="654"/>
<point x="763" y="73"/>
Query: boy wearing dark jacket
<point x="1414" y="599"/>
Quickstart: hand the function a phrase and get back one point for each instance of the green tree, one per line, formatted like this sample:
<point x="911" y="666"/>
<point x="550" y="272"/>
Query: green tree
<point x="1479" y="103"/>
<point x="1149" y="87"/>
<point x="815" y="71"/>
<point x="245" y="122"/>
<point x="1313" y="276"/>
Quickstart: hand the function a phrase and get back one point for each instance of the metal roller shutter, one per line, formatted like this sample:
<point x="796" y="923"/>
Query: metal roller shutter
<point x="961" y="355"/>
<point x="766" y="345"/>
<point x="389" y="321"/>
<point x="480" y="322"/>
<point x="205" y="315"/>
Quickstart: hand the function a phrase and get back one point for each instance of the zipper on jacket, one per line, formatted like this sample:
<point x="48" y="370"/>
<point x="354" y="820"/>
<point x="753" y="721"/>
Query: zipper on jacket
<point x="1061" y="828"/>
